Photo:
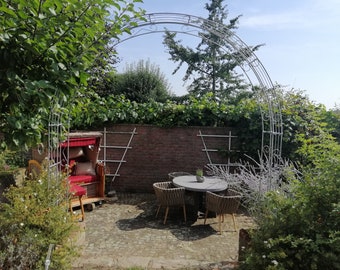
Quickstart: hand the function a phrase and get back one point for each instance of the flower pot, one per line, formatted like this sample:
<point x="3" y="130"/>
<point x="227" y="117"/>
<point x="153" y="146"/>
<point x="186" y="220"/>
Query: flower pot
<point x="199" y="178"/>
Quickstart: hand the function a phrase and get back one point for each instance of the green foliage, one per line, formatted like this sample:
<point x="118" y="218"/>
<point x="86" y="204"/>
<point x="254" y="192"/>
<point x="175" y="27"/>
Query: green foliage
<point x="299" y="229"/>
<point x="140" y="82"/>
<point x="333" y="121"/>
<point x="35" y="217"/>
<point x="302" y="120"/>
<point x="92" y="110"/>
<point x="212" y="63"/>
<point x="46" y="48"/>
<point x="11" y="160"/>
<point x="7" y="164"/>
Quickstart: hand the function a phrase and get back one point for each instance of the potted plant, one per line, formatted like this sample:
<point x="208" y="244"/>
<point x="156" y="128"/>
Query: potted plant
<point x="199" y="175"/>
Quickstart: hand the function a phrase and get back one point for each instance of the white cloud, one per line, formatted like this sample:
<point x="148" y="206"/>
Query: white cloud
<point x="302" y="15"/>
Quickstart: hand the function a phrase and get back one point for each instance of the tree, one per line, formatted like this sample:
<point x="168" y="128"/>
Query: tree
<point x="46" y="51"/>
<point x="140" y="82"/>
<point x="211" y="67"/>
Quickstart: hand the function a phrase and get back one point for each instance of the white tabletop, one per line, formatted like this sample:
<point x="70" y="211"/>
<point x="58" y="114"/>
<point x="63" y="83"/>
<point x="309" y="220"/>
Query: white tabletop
<point x="189" y="182"/>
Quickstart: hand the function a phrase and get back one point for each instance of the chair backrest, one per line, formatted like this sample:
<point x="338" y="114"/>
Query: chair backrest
<point x="172" y="175"/>
<point x="167" y="194"/>
<point x="223" y="204"/>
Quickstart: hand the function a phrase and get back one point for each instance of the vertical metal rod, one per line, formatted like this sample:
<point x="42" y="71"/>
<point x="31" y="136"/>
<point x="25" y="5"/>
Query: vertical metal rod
<point x="104" y="154"/>
<point x="48" y="256"/>
<point x="205" y="147"/>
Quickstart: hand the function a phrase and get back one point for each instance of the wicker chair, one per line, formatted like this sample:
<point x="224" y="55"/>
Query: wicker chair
<point x="167" y="195"/>
<point x="172" y="175"/>
<point x="221" y="205"/>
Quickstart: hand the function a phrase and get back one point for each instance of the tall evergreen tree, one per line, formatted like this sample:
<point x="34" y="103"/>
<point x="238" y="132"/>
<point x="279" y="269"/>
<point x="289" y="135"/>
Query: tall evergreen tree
<point x="211" y="67"/>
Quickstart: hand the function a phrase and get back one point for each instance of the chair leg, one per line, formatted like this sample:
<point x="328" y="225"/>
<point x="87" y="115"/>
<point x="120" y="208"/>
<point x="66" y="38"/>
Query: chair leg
<point x="82" y="208"/>
<point x="219" y="223"/>
<point x="185" y="213"/>
<point x="166" y="214"/>
<point x="205" y="216"/>
<point x="233" y="216"/>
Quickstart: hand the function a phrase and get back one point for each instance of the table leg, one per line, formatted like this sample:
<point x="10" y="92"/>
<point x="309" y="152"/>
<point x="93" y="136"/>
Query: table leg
<point x="200" y="204"/>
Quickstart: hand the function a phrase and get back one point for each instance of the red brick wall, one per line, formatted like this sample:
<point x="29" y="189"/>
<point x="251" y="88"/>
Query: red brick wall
<point x="158" y="151"/>
<point x="155" y="152"/>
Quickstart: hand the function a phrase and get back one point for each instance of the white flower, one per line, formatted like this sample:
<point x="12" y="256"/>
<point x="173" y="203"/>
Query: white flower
<point x="264" y="256"/>
<point x="22" y="224"/>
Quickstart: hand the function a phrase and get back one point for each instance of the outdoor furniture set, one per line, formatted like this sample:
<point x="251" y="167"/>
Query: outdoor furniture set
<point x="218" y="197"/>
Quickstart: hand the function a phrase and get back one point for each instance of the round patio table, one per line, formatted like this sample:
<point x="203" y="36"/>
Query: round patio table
<point x="189" y="182"/>
<point x="199" y="189"/>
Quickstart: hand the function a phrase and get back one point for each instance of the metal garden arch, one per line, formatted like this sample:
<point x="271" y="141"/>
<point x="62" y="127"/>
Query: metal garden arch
<point x="253" y="69"/>
<point x="257" y="75"/>
<point x="272" y="131"/>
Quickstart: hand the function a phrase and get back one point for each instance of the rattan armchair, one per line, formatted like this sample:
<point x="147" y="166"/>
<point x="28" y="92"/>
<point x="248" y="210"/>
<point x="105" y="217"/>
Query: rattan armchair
<point x="172" y="175"/>
<point x="221" y="205"/>
<point x="167" y="195"/>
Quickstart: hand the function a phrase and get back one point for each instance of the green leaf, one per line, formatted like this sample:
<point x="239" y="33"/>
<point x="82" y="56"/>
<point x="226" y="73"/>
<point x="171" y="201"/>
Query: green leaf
<point x="8" y="11"/>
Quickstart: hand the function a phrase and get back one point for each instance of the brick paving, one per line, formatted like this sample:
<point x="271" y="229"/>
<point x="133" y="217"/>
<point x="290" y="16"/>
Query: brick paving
<point x="126" y="234"/>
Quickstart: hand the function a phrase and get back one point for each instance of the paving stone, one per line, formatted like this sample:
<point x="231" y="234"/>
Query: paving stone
<point x="125" y="233"/>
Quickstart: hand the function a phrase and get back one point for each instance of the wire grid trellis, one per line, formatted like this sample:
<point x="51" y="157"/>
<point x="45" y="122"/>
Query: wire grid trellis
<point x="272" y="130"/>
<point x="54" y="152"/>
<point x="56" y="133"/>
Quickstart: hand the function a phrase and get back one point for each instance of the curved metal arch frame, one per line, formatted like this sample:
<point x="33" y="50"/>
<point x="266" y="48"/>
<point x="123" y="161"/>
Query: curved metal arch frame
<point x="271" y="116"/>
<point x="272" y="129"/>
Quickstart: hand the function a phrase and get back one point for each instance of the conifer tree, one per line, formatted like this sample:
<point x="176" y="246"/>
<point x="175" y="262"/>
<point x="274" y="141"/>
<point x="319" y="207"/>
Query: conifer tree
<point x="210" y="66"/>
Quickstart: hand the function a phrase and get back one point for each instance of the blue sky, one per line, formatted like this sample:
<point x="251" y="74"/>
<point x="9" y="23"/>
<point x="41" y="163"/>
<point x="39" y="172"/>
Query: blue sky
<point x="301" y="37"/>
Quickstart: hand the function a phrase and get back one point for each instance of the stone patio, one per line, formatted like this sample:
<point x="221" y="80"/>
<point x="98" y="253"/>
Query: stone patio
<point x="124" y="233"/>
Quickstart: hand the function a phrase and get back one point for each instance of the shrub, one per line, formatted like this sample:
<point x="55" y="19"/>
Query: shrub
<point x="299" y="228"/>
<point x="35" y="216"/>
<point x="140" y="82"/>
